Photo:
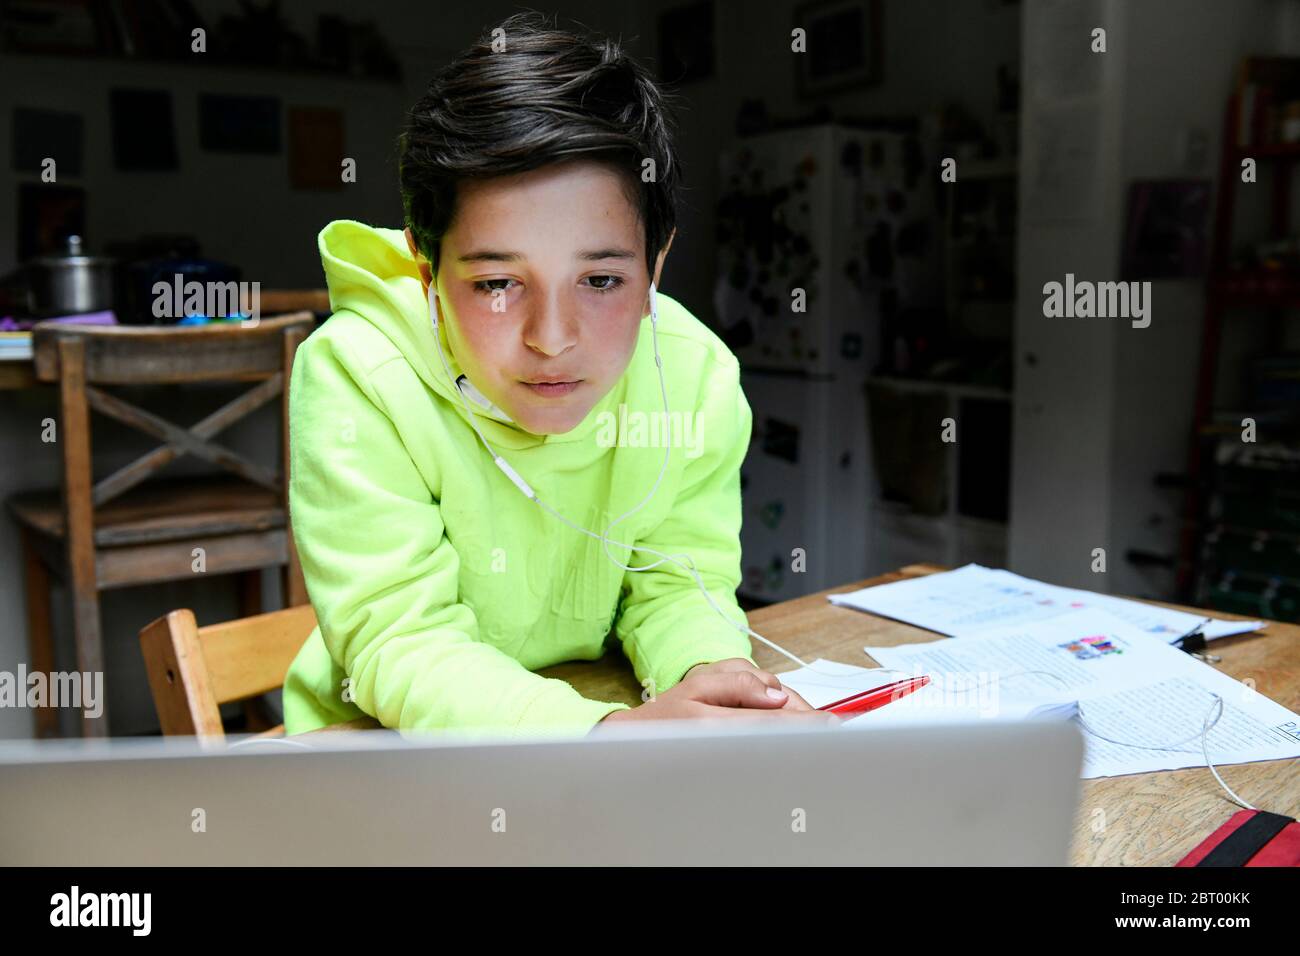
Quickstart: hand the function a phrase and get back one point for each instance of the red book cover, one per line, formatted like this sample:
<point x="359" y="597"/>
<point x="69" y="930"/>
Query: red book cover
<point x="1282" y="850"/>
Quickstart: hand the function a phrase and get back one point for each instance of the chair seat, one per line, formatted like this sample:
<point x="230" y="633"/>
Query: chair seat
<point x="162" y="510"/>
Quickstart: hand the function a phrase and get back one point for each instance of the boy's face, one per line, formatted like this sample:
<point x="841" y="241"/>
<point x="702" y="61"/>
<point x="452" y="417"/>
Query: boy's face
<point x="542" y="279"/>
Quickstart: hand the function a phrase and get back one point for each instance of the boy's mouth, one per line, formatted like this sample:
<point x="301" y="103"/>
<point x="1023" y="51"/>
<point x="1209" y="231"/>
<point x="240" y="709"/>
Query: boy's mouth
<point x="552" y="387"/>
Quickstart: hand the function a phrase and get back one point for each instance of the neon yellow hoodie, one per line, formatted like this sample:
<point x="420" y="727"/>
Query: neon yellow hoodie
<point x="437" y="585"/>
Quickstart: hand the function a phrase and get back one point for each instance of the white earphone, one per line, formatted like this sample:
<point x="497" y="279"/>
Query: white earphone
<point x="478" y="398"/>
<point x="463" y="384"/>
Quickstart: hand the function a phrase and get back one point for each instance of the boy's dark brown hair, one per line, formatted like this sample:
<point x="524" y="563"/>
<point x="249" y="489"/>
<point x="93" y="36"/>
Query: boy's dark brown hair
<point x="551" y="95"/>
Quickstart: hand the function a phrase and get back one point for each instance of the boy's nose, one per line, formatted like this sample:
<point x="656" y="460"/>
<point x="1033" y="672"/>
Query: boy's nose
<point x="550" y="328"/>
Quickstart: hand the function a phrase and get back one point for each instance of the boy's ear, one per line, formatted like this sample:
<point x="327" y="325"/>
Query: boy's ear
<point x="422" y="264"/>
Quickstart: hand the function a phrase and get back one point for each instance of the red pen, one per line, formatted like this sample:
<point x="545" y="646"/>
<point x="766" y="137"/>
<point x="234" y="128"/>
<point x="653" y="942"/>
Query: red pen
<point x="859" y="704"/>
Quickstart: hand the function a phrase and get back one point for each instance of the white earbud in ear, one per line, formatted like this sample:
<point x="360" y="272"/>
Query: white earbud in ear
<point x="462" y="383"/>
<point x="654" y="309"/>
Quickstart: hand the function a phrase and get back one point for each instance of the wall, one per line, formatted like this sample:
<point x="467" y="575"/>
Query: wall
<point x="1106" y="406"/>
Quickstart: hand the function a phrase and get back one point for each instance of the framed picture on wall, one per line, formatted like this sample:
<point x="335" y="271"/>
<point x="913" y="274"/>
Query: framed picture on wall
<point x="843" y="46"/>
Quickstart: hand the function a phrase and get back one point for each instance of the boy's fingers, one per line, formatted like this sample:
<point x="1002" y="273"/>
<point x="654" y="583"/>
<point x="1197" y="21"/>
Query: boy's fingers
<point x="781" y="713"/>
<point x="749" y="684"/>
<point x="738" y="689"/>
<point x="796" y="702"/>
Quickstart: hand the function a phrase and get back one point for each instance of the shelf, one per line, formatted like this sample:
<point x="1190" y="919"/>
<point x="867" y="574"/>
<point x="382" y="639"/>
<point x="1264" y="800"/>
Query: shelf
<point x="1270" y="151"/>
<point x="987" y="169"/>
<point x="1268" y="289"/>
<point x="195" y="64"/>
<point x="956" y="389"/>
<point x="965" y="242"/>
<point x="985" y="525"/>
<point x="897" y="510"/>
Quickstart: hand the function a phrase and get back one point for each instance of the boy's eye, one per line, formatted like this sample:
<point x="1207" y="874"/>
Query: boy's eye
<point x="605" y="283"/>
<point x="486" y="287"/>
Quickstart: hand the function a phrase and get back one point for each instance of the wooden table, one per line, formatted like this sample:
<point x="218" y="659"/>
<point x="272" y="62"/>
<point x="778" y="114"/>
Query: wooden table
<point x="1149" y="819"/>
<point x="18" y="374"/>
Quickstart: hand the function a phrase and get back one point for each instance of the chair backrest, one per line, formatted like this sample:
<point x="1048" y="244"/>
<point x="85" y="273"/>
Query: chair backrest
<point x="167" y="354"/>
<point x="194" y="670"/>
<point x="280" y="301"/>
<point x="81" y="358"/>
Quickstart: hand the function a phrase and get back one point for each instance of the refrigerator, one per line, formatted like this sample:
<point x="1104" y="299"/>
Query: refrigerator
<point x="826" y="234"/>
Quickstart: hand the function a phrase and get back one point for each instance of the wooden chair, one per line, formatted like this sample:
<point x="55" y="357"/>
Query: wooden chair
<point x="125" y="530"/>
<point x="194" y="670"/>
<point x="280" y="301"/>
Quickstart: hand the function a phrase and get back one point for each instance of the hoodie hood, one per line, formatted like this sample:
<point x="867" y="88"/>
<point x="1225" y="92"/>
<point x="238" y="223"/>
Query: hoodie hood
<point x="370" y="272"/>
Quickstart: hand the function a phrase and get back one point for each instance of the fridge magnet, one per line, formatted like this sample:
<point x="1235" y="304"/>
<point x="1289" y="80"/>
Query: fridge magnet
<point x="775" y="573"/>
<point x="770" y="514"/>
<point x="781" y="440"/>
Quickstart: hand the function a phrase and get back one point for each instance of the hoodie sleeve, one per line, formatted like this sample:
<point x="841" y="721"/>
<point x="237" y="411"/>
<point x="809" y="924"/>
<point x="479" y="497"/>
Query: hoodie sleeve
<point x="383" y="577"/>
<point x="665" y="624"/>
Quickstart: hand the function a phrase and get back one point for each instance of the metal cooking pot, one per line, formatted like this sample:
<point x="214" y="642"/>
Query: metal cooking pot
<point x="70" y="283"/>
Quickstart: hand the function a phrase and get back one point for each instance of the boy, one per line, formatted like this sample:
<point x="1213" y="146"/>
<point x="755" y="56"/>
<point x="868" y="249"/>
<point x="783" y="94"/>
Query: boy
<point x="521" y="282"/>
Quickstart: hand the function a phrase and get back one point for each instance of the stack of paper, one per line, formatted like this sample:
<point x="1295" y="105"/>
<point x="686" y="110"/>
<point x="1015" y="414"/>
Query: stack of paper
<point x="974" y="599"/>
<point x="1141" y="703"/>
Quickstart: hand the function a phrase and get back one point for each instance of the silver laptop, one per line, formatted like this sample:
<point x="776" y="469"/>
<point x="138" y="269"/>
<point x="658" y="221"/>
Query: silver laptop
<point x="674" y="794"/>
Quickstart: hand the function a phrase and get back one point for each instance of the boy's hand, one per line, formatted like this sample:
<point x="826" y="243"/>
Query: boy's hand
<point x="732" y="664"/>
<point x="733" y="689"/>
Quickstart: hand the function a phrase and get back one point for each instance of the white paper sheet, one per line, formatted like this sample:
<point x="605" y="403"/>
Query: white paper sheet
<point x="974" y="599"/>
<point x="1166" y="622"/>
<point x="1132" y="688"/>
<point x="966" y="600"/>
